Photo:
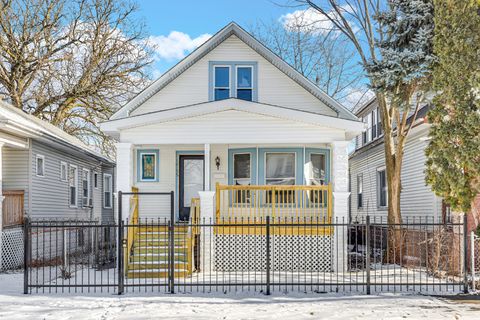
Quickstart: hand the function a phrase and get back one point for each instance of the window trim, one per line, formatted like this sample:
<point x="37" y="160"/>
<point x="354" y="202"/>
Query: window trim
<point x="64" y="164"/>
<point x="380" y="207"/>
<point x="111" y="191"/>
<point x="252" y="86"/>
<point x="89" y="185"/>
<point x="76" y="187"/>
<point x="233" y="77"/>
<point x="154" y="152"/>
<point x="40" y="156"/>
<point x="253" y="163"/>
<point x="229" y="80"/>
<point x="360" y="182"/>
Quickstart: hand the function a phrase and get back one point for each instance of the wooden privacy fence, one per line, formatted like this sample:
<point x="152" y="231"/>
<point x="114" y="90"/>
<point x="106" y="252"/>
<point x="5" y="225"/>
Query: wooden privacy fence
<point x="12" y="208"/>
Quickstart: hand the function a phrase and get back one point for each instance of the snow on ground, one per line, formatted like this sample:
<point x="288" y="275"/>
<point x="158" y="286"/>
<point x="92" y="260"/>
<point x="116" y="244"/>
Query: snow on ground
<point x="15" y="305"/>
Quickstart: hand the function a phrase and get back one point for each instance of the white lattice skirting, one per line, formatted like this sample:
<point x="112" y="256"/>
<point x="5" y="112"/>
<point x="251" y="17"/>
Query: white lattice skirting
<point x="288" y="253"/>
<point x="12" y="249"/>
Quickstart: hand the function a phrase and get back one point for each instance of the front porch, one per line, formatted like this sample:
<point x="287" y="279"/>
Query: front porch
<point x="251" y="181"/>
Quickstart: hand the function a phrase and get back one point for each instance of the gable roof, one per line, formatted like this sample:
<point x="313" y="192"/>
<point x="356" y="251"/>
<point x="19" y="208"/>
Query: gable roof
<point x="32" y="126"/>
<point x="229" y="30"/>
<point x="352" y="127"/>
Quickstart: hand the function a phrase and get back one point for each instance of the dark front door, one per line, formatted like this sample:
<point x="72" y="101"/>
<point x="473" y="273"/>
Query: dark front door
<point x="191" y="182"/>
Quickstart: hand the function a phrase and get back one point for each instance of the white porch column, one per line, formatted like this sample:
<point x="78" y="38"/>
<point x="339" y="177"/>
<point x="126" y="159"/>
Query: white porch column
<point x="340" y="203"/>
<point x="124" y="175"/>
<point x="1" y="204"/>
<point x="207" y="166"/>
<point x="207" y="215"/>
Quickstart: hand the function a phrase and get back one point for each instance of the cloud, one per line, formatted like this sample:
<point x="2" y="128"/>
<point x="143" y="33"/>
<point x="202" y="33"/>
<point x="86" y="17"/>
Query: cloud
<point x="176" y="45"/>
<point x="307" y="20"/>
<point x="310" y="20"/>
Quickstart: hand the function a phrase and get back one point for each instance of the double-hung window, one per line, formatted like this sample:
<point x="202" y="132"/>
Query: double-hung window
<point x="280" y="170"/>
<point x="107" y="190"/>
<point x="221" y="82"/>
<point x="230" y="79"/>
<point x="85" y="187"/>
<point x="382" y="198"/>
<point x="360" y="191"/>
<point x="72" y="184"/>
<point x="244" y="82"/>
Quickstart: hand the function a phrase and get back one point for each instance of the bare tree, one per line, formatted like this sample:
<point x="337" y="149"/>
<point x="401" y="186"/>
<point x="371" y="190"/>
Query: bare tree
<point x="72" y="62"/>
<point x="358" y="21"/>
<point x="320" y="55"/>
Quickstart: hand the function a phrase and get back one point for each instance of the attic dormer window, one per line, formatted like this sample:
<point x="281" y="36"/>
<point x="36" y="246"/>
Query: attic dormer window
<point x="244" y="83"/>
<point x="222" y="82"/>
<point x="233" y="80"/>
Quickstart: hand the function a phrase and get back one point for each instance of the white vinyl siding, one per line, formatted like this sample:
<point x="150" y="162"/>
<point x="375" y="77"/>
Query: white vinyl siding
<point x="274" y="87"/>
<point x="417" y="199"/>
<point x="255" y="128"/>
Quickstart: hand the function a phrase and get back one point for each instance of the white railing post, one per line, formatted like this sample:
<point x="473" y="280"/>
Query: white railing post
<point x="207" y="216"/>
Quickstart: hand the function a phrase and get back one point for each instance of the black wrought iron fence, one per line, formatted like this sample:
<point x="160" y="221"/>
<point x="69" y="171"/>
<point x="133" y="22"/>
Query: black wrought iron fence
<point x="281" y="255"/>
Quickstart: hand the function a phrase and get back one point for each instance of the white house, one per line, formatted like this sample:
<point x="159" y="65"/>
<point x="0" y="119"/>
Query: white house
<point x="232" y="113"/>
<point x="368" y="175"/>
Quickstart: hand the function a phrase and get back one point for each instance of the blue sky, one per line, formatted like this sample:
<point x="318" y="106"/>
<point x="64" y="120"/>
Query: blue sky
<point x="199" y="18"/>
<point x="178" y="27"/>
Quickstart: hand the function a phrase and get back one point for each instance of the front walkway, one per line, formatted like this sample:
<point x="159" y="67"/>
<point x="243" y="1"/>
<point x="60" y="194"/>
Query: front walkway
<point x="14" y="305"/>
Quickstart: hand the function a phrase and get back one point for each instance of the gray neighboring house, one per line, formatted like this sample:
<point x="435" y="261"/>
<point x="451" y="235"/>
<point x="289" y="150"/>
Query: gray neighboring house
<point x="46" y="173"/>
<point x="367" y="171"/>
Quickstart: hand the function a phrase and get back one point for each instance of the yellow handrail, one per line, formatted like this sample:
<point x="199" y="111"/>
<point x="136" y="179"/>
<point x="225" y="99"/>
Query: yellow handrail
<point x="289" y="203"/>
<point x="132" y="226"/>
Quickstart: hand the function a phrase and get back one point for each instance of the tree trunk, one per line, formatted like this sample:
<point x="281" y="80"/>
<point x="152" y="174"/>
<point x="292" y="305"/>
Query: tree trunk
<point x="394" y="146"/>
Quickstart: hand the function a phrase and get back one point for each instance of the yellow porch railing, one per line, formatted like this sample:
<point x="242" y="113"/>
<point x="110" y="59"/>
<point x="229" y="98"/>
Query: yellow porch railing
<point x="132" y="228"/>
<point x="297" y="204"/>
<point x="193" y="234"/>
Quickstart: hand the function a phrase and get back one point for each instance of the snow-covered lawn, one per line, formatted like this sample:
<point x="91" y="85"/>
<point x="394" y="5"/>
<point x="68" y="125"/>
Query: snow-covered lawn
<point x="14" y="305"/>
